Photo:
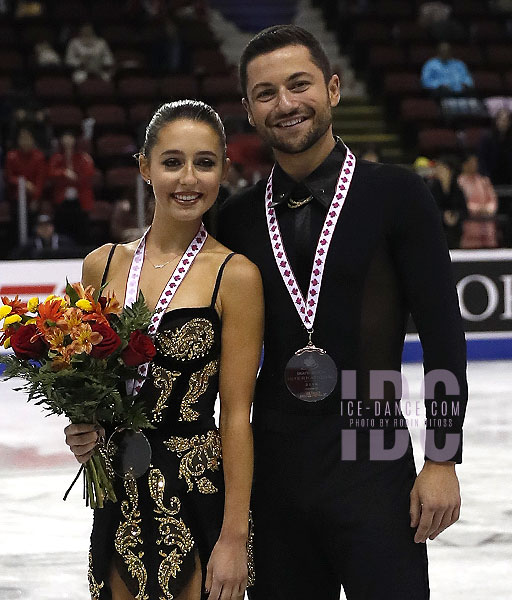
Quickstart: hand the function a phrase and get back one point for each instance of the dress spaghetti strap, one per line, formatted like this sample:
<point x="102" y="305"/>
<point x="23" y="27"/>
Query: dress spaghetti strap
<point x="105" y="272"/>
<point x="219" y="277"/>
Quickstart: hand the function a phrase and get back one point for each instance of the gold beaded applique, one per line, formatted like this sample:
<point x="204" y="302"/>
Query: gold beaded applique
<point x="173" y="532"/>
<point x="94" y="586"/>
<point x="163" y="380"/>
<point x="128" y="538"/>
<point x="200" y="452"/>
<point x="196" y="386"/>
<point x="191" y="341"/>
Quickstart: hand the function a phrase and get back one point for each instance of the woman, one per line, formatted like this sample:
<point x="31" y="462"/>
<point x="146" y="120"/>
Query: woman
<point x="495" y="151"/>
<point x="182" y="528"/>
<point x="479" y="229"/>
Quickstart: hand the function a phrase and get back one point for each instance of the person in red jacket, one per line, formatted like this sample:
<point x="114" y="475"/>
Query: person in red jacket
<point x="27" y="161"/>
<point x="71" y="172"/>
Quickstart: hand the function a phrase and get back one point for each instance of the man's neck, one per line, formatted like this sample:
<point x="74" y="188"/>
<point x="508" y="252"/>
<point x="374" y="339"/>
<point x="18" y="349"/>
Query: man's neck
<point x="298" y="166"/>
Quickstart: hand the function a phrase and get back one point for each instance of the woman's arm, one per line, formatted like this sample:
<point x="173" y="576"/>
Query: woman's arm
<point x="241" y="297"/>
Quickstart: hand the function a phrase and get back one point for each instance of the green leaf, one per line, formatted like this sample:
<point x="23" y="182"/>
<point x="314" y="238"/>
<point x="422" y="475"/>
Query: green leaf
<point x="72" y="293"/>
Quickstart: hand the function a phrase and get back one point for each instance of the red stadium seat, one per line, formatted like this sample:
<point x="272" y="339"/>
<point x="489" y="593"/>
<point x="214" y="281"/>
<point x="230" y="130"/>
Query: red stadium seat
<point x="471" y="55"/>
<point x="121" y="177"/>
<point x="371" y="31"/>
<point x="54" y="88"/>
<point x="436" y="140"/>
<point x="11" y="61"/>
<point x="133" y="88"/>
<point x="71" y="11"/>
<point x="410" y="31"/>
<point x="211" y="62"/>
<point x="67" y="115"/>
<point x="103" y="12"/>
<point x="129" y="60"/>
<point x="420" y="110"/>
<point x="387" y="57"/>
<point x="488" y="31"/>
<point x="418" y="55"/>
<point x="95" y="89"/>
<point x="231" y="109"/>
<point x="119" y="35"/>
<point x="395" y="9"/>
<point x="115" y="145"/>
<point x="472" y="136"/>
<point x="107" y="115"/>
<point x="179" y="86"/>
<point x="499" y="55"/>
<point x="5" y="85"/>
<point x="488" y="83"/>
<point x="8" y="37"/>
<point x="402" y="83"/>
<point x="221" y="86"/>
<point x="140" y="113"/>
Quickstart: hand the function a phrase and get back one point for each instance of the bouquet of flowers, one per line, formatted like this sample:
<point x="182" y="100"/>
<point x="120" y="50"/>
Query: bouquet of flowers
<point x="73" y="352"/>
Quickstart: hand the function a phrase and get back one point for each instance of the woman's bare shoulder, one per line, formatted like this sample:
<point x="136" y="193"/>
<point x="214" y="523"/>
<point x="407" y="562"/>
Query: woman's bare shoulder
<point x="95" y="262"/>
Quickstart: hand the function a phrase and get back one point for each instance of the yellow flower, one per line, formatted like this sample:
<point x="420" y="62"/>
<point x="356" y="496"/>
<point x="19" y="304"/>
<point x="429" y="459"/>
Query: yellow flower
<point x="11" y="319"/>
<point x="84" y="305"/>
<point x="32" y="304"/>
<point x="5" y="310"/>
<point x="53" y="297"/>
<point x="7" y="343"/>
<point x="50" y="297"/>
<point x="30" y="321"/>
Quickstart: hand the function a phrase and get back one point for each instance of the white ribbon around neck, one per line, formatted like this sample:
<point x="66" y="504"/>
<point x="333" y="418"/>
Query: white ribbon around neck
<point x="306" y="308"/>
<point x="175" y="280"/>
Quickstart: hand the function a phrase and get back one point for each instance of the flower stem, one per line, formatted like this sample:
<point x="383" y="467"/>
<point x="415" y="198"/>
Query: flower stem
<point x="104" y="479"/>
<point x="97" y="488"/>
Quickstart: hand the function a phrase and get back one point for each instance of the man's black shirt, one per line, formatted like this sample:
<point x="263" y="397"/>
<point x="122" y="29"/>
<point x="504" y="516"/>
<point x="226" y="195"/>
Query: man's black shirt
<point x="388" y="258"/>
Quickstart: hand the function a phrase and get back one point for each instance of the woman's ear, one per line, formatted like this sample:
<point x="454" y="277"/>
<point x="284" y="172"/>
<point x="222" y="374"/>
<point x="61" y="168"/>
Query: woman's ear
<point x="144" y="167"/>
<point x="225" y="169"/>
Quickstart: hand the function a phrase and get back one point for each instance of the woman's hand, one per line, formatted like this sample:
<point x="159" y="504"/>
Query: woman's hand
<point x="226" y="574"/>
<point x="83" y="439"/>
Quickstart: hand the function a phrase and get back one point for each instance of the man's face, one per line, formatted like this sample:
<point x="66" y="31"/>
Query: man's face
<point x="288" y="101"/>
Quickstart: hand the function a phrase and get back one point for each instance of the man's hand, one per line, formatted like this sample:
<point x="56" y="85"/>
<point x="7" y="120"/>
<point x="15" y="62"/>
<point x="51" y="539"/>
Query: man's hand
<point x="435" y="500"/>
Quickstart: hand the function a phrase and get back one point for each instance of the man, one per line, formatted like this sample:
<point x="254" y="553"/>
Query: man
<point x="445" y="75"/>
<point x="328" y="509"/>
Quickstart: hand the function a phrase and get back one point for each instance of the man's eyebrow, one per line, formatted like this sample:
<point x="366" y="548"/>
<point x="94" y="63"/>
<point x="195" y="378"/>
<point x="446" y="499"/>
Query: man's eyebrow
<point x="292" y="76"/>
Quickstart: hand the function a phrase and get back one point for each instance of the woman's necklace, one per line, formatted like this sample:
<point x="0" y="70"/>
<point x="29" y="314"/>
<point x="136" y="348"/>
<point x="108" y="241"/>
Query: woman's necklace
<point x="163" y="264"/>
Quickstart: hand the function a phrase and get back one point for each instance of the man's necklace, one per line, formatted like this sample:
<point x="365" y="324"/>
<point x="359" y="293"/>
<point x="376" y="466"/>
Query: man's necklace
<point x="298" y="203"/>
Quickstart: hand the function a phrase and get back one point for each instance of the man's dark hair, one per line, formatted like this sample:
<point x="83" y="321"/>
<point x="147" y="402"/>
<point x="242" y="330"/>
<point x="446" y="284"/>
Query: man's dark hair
<point x="280" y="36"/>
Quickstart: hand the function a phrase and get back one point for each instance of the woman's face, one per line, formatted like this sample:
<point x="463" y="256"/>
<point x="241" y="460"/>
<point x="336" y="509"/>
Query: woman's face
<point x="186" y="167"/>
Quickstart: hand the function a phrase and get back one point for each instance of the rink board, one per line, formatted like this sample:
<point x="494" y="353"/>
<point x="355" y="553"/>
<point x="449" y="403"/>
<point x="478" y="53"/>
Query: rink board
<point x="483" y="278"/>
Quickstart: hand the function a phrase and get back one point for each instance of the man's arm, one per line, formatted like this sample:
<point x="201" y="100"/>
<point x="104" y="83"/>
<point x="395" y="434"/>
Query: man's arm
<point x="424" y="266"/>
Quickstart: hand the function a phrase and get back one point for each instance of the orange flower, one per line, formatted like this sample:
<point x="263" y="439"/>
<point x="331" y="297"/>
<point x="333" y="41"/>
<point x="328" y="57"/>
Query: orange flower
<point x="83" y="339"/>
<point x="18" y="307"/>
<point x="70" y="321"/>
<point x="49" y="313"/>
<point x="55" y="337"/>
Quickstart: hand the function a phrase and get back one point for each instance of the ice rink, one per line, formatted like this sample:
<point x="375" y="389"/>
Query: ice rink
<point x="44" y="541"/>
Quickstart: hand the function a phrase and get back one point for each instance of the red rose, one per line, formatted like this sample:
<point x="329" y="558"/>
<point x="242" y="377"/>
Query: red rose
<point x="23" y="346"/>
<point x="140" y="349"/>
<point x="108" y="345"/>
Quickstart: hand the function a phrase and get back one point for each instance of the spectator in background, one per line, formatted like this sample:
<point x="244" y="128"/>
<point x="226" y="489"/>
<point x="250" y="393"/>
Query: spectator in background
<point x="449" y="197"/>
<point x="495" y="151"/>
<point x="352" y="88"/>
<point x="89" y="55"/>
<point x="23" y="111"/>
<point x="479" y="229"/>
<point x="45" y="243"/>
<point x="27" y="161"/>
<point x="71" y="172"/>
<point x="445" y="75"/>
<point x="436" y="18"/>
<point x="46" y="55"/>
<point x="168" y="51"/>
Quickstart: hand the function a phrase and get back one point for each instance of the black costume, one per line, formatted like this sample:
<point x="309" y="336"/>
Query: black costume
<point x="319" y="521"/>
<point x="177" y="507"/>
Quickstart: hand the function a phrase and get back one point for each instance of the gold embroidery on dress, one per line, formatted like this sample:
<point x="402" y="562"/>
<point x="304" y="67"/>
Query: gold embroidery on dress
<point x="163" y="380"/>
<point x="193" y="340"/>
<point x="201" y="452"/>
<point x="128" y="538"/>
<point x="251" y="578"/>
<point x="173" y="532"/>
<point x="196" y="386"/>
<point x="94" y="586"/>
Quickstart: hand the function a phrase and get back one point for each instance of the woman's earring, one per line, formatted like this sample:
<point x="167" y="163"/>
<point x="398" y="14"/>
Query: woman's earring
<point x="148" y="181"/>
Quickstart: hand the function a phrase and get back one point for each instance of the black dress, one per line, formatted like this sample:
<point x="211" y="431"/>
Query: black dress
<point x="161" y="519"/>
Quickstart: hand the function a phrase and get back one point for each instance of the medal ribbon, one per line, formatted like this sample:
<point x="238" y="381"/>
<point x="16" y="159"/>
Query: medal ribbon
<point x="167" y="294"/>
<point x="307" y="307"/>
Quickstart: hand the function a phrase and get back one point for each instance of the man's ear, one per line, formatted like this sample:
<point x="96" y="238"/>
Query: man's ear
<point x="333" y="87"/>
<point x="245" y="104"/>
